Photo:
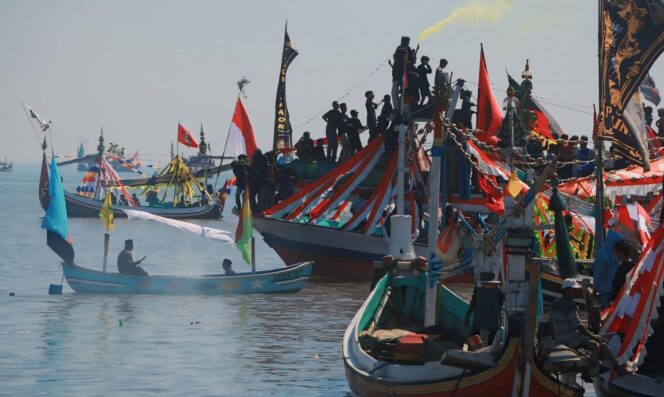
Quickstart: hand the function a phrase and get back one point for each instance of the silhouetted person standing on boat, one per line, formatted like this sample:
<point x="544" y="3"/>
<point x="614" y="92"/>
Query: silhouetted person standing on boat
<point x="240" y="171"/>
<point x="660" y="123"/>
<point x="305" y="148"/>
<point x="423" y="80"/>
<point x="385" y="116"/>
<point x="371" y="107"/>
<point x="398" y="65"/>
<point x="333" y="119"/>
<point x="441" y="78"/>
<point x="126" y="264"/>
<point x="355" y="126"/>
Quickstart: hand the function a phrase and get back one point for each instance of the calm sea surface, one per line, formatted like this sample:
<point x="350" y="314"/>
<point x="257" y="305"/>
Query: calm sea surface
<point x="259" y="345"/>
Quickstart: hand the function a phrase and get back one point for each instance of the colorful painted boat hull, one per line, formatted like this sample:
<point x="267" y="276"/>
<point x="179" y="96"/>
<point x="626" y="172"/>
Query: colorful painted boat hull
<point x="79" y="206"/>
<point x="337" y="253"/>
<point x="284" y="280"/>
<point x="371" y="377"/>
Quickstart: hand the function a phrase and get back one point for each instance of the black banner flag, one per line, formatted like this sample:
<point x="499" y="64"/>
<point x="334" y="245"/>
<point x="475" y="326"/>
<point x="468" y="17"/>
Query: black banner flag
<point x="630" y="40"/>
<point x="282" y="127"/>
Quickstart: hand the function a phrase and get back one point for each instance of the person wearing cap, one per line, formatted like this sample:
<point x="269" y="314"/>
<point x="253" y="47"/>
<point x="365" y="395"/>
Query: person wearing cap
<point x="126" y="264"/>
<point x="371" y="107"/>
<point x="226" y="265"/>
<point x="569" y="331"/>
<point x="423" y="69"/>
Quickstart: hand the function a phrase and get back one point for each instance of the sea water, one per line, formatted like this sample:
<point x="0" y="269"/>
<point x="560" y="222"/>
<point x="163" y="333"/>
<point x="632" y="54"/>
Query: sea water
<point x="71" y="345"/>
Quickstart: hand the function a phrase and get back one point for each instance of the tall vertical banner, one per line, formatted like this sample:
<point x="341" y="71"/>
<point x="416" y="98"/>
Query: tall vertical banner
<point x="282" y="127"/>
<point x="631" y="37"/>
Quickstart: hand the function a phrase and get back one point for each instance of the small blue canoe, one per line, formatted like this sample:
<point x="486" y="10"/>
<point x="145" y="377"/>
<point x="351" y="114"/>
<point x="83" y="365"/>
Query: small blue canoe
<point x="283" y="280"/>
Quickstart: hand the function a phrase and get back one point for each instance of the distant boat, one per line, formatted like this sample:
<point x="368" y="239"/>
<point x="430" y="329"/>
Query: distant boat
<point x="283" y="280"/>
<point x="80" y="205"/>
<point x="5" y="166"/>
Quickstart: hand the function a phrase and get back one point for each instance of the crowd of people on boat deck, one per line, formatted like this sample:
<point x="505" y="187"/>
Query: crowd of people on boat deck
<point x="267" y="180"/>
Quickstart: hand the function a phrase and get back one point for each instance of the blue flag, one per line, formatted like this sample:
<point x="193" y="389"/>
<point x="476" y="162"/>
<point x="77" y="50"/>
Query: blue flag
<point x="55" y="221"/>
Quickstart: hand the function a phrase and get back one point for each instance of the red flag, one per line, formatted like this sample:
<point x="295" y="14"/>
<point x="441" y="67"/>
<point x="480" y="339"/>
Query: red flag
<point x="185" y="137"/>
<point x="493" y="195"/>
<point x="241" y="135"/>
<point x="541" y="126"/>
<point x="489" y="115"/>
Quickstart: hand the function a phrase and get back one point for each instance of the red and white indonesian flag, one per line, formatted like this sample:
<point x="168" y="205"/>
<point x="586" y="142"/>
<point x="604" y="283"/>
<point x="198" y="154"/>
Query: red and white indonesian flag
<point x="634" y="223"/>
<point x="628" y="319"/>
<point x="185" y="137"/>
<point x="486" y="164"/>
<point x="240" y="136"/>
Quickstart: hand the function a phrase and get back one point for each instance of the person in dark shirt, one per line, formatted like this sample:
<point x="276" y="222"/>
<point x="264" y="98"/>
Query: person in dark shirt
<point x="355" y="126"/>
<point x="385" y="116"/>
<point x="257" y="177"/>
<point x="423" y="80"/>
<point x="126" y="264"/>
<point x="240" y="171"/>
<point x="136" y="200"/>
<point x="114" y="200"/>
<point x="441" y="78"/>
<point x="399" y="57"/>
<point x="333" y="119"/>
<point x="534" y="147"/>
<point x="585" y="156"/>
<point x="344" y="122"/>
<point x="228" y="270"/>
<point x="467" y="109"/>
<point x="285" y="179"/>
<point x="123" y="200"/>
<point x="566" y="147"/>
<point x="622" y="251"/>
<point x="371" y="107"/>
<point x="413" y="89"/>
<point x="319" y="151"/>
<point x="305" y="148"/>
<point x="660" y="123"/>
<point x="647" y="115"/>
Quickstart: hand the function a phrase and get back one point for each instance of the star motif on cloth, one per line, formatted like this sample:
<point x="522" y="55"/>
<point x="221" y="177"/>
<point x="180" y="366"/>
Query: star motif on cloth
<point x="258" y="284"/>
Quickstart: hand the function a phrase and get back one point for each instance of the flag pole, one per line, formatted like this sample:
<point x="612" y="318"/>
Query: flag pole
<point x="107" y="239"/>
<point x="253" y="254"/>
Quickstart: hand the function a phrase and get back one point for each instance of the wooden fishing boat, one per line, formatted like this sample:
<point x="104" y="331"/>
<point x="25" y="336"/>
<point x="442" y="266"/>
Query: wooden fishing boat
<point x="82" y="206"/>
<point x="338" y="253"/>
<point x="283" y="280"/>
<point x="372" y="372"/>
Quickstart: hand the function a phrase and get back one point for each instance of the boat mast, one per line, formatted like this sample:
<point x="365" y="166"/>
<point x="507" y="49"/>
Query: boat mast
<point x="434" y="199"/>
<point x="100" y="156"/>
<point x="599" y="148"/>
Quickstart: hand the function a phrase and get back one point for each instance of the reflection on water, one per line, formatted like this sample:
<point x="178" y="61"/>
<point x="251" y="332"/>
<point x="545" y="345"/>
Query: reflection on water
<point x="276" y="345"/>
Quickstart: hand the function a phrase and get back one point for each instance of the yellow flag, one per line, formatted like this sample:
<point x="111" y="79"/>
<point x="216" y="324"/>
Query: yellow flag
<point x="106" y="213"/>
<point x="514" y="185"/>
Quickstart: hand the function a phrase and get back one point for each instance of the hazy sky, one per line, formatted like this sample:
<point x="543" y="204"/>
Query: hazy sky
<point x="137" y="67"/>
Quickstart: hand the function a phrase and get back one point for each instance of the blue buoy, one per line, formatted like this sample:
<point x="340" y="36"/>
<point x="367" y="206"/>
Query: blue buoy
<point x="55" y="289"/>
